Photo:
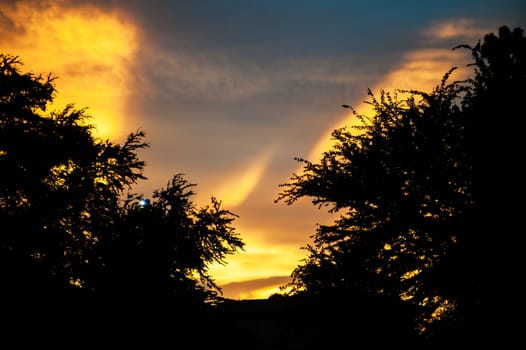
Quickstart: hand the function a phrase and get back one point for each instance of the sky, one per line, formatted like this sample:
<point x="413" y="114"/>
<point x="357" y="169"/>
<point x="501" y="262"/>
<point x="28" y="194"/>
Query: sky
<point x="229" y="92"/>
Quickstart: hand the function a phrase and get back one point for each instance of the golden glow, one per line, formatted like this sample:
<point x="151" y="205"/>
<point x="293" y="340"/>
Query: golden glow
<point x="443" y="307"/>
<point x="76" y="282"/>
<point x="89" y="51"/>
<point x="237" y="187"/>
<point x="259" y="260"/>
<point x="410" y="274"/>
<point x="260" y="288"/>
<point x="254" y="266"/>
<point x="261" y="293"/>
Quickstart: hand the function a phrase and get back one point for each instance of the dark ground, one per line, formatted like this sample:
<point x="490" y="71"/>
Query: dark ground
<point x="249" y="324"/>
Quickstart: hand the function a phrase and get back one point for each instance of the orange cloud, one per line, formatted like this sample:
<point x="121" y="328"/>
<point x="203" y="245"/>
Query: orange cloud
<point x="239" y="185"/>
<point x="88" y="50"/>
<point x="254" y="289"/>
<point x="260" y="259"/>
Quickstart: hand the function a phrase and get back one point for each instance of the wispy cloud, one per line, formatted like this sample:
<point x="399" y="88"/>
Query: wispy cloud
<point x="458" y="29"/>
<point x="237" y="186"/>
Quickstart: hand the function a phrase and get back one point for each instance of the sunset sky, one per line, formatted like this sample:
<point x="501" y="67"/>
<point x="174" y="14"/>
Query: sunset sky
<point x="229" y="92"/>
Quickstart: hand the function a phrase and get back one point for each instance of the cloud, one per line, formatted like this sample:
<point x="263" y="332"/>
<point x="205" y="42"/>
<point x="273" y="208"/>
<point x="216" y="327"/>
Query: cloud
<point x="261" y="258"/>
<point x="89" y="51"/>
<point x="457" y="28"/>
<point x="210" y="76"/>
<point x="206" y="77"/>
<point x="238" y="186"/>
<point x="260" y="288"/>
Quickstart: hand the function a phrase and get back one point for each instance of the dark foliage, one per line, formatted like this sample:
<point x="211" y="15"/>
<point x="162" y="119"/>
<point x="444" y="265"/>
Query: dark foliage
<point x="425" y="189"/>
<point x="67" y="236"/>
<point x="162" y="248"/>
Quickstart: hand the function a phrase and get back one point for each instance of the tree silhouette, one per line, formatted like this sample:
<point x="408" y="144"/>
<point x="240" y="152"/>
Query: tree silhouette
<point x="59" y="186"/>
<point x="161" y="249"/>
<point x="418" y="184"/>
<point x="65" y="230"/>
